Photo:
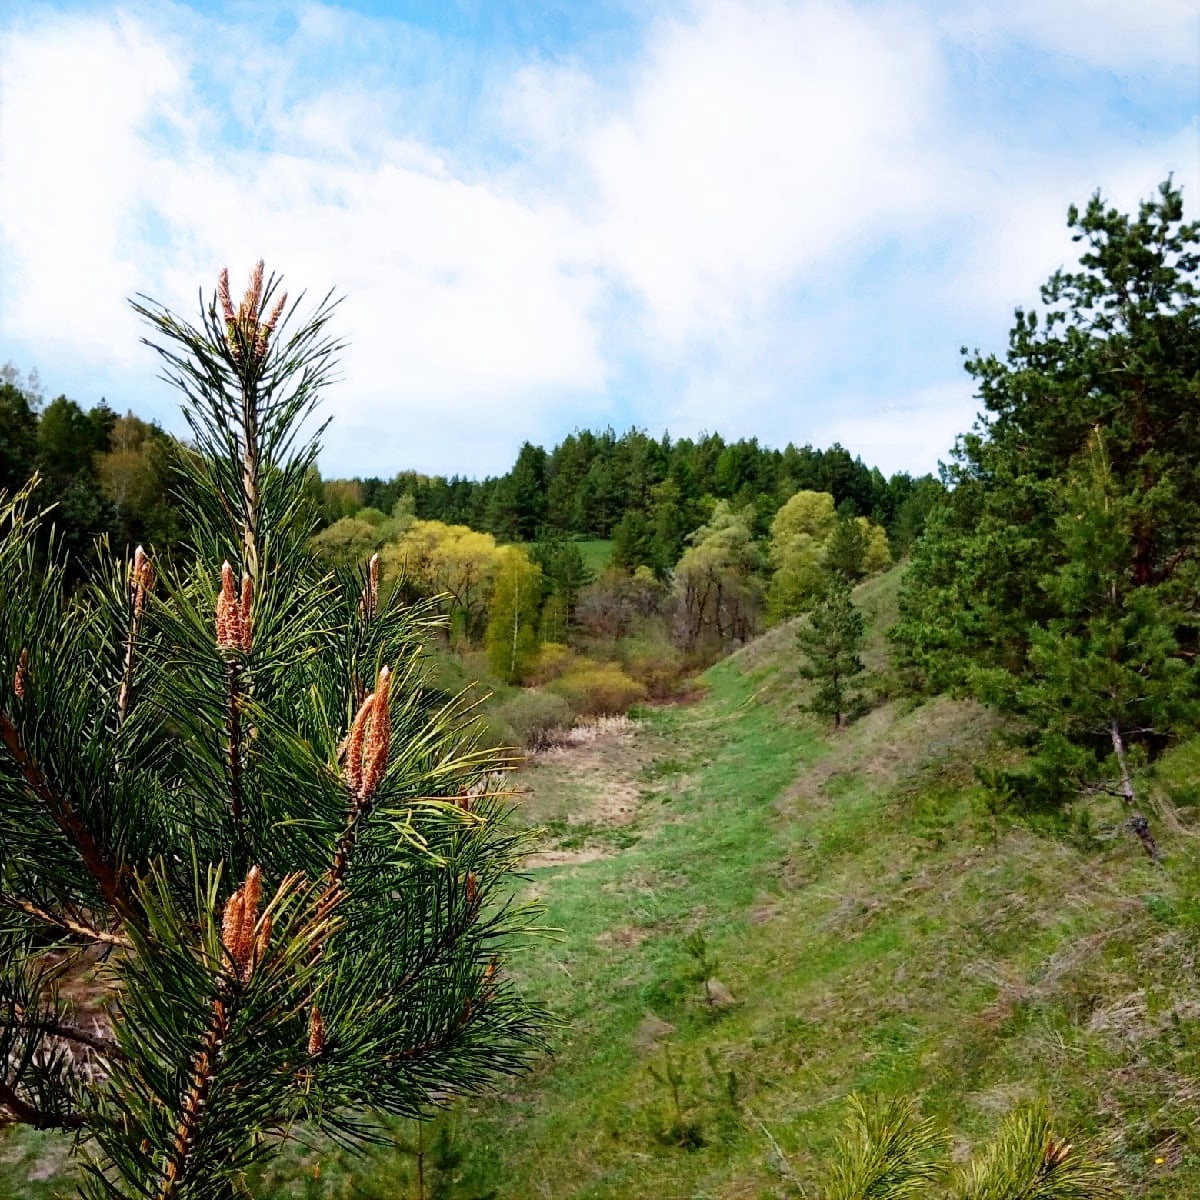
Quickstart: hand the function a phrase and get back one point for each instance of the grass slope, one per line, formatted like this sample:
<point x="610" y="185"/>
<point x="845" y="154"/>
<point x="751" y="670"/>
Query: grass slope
<point x="873" y="928"/>
<point x="878" y="930"/>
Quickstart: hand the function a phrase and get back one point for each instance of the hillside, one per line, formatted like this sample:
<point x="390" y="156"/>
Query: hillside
<point x="873" y="927"/>
<point x="877" y="928"/>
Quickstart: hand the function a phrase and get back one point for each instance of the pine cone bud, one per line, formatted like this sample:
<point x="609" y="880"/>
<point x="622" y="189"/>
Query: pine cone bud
<point x="223" y="295"/>
<point x="316" y="1032"/>
<point x="141" y="581"/>
<point x="238" y="926"/>
<point x="253" y="297"/>
<point x="21" y="675"/>
<point x="1057" y="1153"/>
<point x="228" y="634"/>
<point x="378" y="739"/>
<point x="262" y="940"/>
<point x="354" y="746"/>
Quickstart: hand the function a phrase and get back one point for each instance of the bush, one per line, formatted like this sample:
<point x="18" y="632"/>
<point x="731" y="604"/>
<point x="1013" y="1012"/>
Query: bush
<point x="553" y="659"/>
<point x="598" y="689"/>
<point x="531" y="716"/>
<point x="654" y="663"/>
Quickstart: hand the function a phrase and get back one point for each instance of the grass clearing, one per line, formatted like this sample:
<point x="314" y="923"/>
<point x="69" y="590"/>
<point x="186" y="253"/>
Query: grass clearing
<point x="596" y="554"/>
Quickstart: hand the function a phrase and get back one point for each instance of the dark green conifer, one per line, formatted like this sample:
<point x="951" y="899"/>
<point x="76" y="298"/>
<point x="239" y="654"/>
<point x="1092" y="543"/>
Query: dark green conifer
<point x="830" y="642"/>
<point x="1059" y="575"/>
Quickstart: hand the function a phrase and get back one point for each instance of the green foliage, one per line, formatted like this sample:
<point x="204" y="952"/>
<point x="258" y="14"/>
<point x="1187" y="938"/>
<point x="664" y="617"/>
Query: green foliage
<point x="451" y="563"/>
<point x="18" y="437"/>
<point x="592" y="483"/>
<point x="654" y="661"/>
<point x="512" y="637"/>
<point x="1058" y="577"/>
<point x="595" y="689"/>
<point x="1027" y="1162"/>
<point x="830" y="644"/>
<point x="287" y="891"/>
<point x="716" y="582"/>
<point x="888" y="1153"/>
<point x="885" y="1153"/>
<point x="564" y="575"/>
<point x="532" y="717"/>
<point x="812" y="542"/>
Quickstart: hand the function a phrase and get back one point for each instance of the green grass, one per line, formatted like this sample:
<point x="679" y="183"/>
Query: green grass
<point x="879" y="930"/>
<point x="595" y="554"/>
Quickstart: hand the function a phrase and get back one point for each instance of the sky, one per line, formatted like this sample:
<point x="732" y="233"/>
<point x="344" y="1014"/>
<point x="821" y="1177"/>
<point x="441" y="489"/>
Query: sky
<point x="751" y="217"/>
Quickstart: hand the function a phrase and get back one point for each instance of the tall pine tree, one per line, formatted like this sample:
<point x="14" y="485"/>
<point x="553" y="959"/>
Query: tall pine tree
<point x="1059" y="574"/>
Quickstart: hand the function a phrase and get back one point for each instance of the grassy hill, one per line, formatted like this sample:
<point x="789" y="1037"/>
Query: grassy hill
<point x="866" y="923"/>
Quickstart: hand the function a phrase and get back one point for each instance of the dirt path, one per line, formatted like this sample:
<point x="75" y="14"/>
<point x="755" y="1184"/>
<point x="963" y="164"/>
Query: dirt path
<point x="584" y="792"/>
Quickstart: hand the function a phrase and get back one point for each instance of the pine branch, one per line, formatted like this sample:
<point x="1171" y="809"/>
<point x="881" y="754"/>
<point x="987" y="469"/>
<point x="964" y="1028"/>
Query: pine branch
<point x="23" y="1113"/>
<point x="41" y="1023"/>
<point x="204" y="1072"/>
<point x="235" y="748"/>
<point x="141" y="581"/>
<point x="60" y="921"/>
<point x="107" y="877"/>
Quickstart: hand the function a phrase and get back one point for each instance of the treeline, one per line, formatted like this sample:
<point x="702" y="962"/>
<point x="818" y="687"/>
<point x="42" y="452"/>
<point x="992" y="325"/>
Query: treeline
<point x="101" y="473"/>
<point x="647" y="495"/>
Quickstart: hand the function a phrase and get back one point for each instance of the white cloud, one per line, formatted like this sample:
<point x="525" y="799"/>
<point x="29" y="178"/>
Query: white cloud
<point x="76" y="99"/>
<point x="693" y="218"/>
<point x="458" y="295"/>
<point x="911" y="432"/>
<point x="757" y="140"/>
<point x="1115" y="34"/>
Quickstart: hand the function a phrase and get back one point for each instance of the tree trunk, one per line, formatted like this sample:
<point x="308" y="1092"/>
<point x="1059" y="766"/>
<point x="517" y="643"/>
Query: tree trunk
<point x="1137" y="823"/>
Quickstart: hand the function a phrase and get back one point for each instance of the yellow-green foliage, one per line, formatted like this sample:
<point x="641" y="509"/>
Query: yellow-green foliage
<point x="451" y="560"/>
<point x="878" y="556"/>
<point x="512" y="630"/>
<point x="347" y="542"/>
<point x="800" y="539"/>
<point x="553" y="659"/>
<point x="655" y="663"/>
<point x="598" y="689"/>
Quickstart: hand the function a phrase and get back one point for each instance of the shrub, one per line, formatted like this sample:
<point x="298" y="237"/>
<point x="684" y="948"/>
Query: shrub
<point x="598" y="689"/>
<point x="553" y="659"/>
<point x="532" y="717"/>
<point x="655" y="663"/>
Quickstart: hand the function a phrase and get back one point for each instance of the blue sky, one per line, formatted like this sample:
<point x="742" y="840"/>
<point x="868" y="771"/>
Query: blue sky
<point x="749" y="216"/>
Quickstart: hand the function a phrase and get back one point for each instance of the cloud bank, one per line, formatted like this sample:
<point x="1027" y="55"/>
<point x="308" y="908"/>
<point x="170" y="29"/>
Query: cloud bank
<point x="773" y="219"/>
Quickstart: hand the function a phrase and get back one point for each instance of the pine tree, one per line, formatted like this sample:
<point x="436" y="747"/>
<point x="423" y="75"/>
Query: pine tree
<point x="227" y="798"/>
<point x="830" y="643"/>
<point x="1058" y="576"/>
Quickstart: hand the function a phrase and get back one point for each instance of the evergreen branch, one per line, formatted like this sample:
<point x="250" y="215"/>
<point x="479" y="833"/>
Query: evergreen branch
<point x="204" y="1071"/>
<point x="64" y="1029"/>
<point x="235" y="751"/>
<point x="23" y="1113"/>
<point x="67" y="819"/>
<point x="60" y="921"/>
<point x="141" y="580"/>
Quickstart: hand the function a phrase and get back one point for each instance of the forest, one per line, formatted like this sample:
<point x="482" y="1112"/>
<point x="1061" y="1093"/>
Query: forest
<point x="606" y="571"/>
<point x="860" y="812"/>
